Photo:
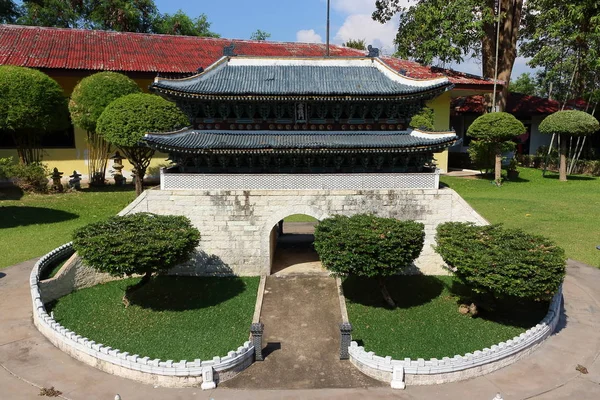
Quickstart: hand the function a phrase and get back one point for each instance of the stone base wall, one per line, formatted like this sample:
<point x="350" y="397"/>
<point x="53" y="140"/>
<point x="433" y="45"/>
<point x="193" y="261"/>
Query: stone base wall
<point x="236" y="224"/>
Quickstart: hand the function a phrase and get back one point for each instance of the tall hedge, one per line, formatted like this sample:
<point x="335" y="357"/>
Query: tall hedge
<point x="366" y="245"/>
<point x="31" y="104"/>
<point x="126" y="120"/>
<point x="502" y="262"/>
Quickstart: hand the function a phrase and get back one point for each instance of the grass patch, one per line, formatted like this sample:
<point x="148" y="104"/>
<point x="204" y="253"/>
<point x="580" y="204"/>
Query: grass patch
<point x="300" y="218"/>
<point x="566" y="212"/>
<point x="171" y="318"/>
<point x="426" y="323"/>
<point x="32" y="225"/>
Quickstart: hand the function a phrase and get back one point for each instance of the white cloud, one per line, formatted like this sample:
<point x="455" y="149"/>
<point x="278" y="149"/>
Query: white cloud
<point x="308" y="36"/>
<point x="362" y="26"/>
<point x="354" y="6"/>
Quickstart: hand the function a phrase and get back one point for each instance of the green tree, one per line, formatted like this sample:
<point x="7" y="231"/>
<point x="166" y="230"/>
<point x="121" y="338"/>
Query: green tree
<point x="565" y="124"/>
<point x="88" y="100"/>
<point x="495" y="129"/>
<point x="126" y="120"/>
<point x="260" y="35"/>
<point x="180" y="23"/>
<point x="31" y="104"/>
<point x="423" y="120"/>
<point x="370" y="246"/>
<point x="450" y="31"/>
<point x="55" y="13"/>
<point x="9" y="12"/>
<point x="121" y="15"/>
<point x="524" y="84"/>
<point x="359" y="44"/>
<point x="136" y="244"/>
<point x="563" y="39"/>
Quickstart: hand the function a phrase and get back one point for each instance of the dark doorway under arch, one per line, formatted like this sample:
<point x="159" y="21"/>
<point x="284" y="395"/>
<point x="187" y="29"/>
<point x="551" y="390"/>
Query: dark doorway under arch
<point x="292" y="250"/>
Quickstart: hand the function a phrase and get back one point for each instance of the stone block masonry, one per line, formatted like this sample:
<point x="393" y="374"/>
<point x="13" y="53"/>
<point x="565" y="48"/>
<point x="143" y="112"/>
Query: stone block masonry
<point x="236" y="224"/>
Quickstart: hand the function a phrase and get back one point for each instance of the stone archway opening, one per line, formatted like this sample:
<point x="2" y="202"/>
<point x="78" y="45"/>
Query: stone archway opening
<point x="292" y="249"/>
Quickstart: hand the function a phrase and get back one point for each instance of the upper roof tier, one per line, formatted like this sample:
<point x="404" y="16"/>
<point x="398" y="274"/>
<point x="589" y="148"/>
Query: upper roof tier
<point x="93" y="50"/>
<point x="274" y="76"/>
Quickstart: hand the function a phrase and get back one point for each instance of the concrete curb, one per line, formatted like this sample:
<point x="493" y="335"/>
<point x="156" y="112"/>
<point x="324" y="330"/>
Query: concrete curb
<point x="459" y="367"/>
<point x="167" y="373"/>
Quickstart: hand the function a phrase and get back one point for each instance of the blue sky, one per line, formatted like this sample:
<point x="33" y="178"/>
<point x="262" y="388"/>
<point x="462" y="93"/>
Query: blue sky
<point x="303" y="21"/>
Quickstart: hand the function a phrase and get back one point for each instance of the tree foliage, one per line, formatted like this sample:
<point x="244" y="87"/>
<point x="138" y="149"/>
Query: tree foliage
<point x="562" y="37"/>
<point x="9" y="12"/>
<point x="31" y="104"/>
<point x="502" y="262"/>
<point x="569" y="123"/>
<point x="260" y="35"/>
<point x="126" y="120"/>
<point x="524" y="84"/>
<point x="141" y="243"/>
<point x="93" y="93"/>
<point x="366" y="245"/>
<point x="496" y="127"/>
<point x="180" y="23"/>
<point x="359" y="44"/>
<point x="423" y="120"/>
<point x="450" y="31"/>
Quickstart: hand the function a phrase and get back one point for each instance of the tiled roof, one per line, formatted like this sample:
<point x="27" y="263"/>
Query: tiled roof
<point x="517" y="104"/>
<point x="196" y="141"/>
<point x="58" y="48"/>
<point x="292" y="76"/>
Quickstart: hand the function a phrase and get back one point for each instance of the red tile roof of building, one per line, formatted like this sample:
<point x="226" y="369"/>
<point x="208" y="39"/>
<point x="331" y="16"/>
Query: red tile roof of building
<point x="517" y="104"/>
<point x="57" y="48"/>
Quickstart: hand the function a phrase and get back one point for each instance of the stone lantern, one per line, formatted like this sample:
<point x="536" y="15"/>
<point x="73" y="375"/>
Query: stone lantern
<point x="56" y="176"/>
<point x="75" y="181"/>
<point x="118" y="166"/>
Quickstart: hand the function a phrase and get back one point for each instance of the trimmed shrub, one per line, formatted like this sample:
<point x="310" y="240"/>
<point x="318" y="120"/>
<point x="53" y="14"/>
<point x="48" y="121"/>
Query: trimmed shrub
<point x="29" y="177"/>
<point x="423" y="120"/>
<point x="366" y="245"/>
<point x="140" y="243"/>
<point x="502" y="263"/>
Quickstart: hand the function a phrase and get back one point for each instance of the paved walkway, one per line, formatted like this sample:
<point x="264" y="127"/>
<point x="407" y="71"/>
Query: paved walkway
<point x="28" y="361"/>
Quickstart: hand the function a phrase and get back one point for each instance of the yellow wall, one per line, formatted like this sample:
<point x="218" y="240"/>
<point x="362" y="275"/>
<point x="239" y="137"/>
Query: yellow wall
<point x="75" y="159"/>
<point x="441" y="113"/>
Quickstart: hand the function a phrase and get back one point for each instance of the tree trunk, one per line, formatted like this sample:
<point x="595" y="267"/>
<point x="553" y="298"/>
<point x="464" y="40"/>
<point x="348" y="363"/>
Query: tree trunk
<point x="139" y="181"/>
<point x="498" y="166"/>
<point x="563" y="159"/>
<point x="386" y="295"/>
<point x="134" y="288"/>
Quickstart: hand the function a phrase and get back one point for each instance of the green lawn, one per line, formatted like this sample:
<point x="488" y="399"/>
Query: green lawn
<point x="566" y="212"/>
<point x="172" y="318"/>
<point x="31" y="225"/>
<point x="299" y="218"/>
<point x="426" y="323"/>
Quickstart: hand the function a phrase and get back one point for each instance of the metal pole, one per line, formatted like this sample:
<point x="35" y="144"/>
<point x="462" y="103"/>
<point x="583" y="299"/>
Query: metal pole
<point x="328" y="1"/>
<point x="496" y="67"/>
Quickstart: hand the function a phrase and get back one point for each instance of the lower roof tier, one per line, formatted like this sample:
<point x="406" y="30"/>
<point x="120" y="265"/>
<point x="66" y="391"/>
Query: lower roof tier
<point x="201" y="141"/>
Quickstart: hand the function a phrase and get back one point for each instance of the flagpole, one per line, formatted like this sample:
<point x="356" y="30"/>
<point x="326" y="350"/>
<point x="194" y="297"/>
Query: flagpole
<point x="327" y="46"/>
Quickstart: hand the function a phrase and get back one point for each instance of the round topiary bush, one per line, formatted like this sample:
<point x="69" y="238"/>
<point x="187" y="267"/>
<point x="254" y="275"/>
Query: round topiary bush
<point x="501" y="262"/>
<point x="366" y="245"/>
<point x="140" y="243"/>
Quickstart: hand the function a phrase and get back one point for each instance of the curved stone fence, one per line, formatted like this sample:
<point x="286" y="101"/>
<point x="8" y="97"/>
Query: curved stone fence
<point x="450" y="369"/>
<point x="167" y="373"/>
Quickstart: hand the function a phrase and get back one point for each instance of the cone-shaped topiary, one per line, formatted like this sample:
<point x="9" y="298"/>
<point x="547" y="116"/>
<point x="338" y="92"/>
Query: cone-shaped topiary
<point x="126" y="120"/>
<point x="568" y="123"/>
<point x="495" y="129"/>
<point x="31" y="104"/>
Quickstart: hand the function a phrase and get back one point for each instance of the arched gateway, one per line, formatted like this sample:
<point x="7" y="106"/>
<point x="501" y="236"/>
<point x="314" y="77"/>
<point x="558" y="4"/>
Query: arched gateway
<point x="271" y="137"/>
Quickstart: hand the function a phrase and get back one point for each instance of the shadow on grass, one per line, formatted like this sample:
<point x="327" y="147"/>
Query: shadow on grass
<point x="570" y="177"/>
<point x="507" y="311"/>
<point x="181" y="293"/>
<point x="515" y="180"/>
<point x="13" y="216"/>
<point x="406" y="290"/>
<point x="110" y="188"/>
<point x="10" y="192"/>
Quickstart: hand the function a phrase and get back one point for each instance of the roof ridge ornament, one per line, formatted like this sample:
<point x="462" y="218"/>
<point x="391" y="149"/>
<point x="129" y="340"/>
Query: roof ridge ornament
<point x="373" y="51"/>
<point x="228" y="50"/>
